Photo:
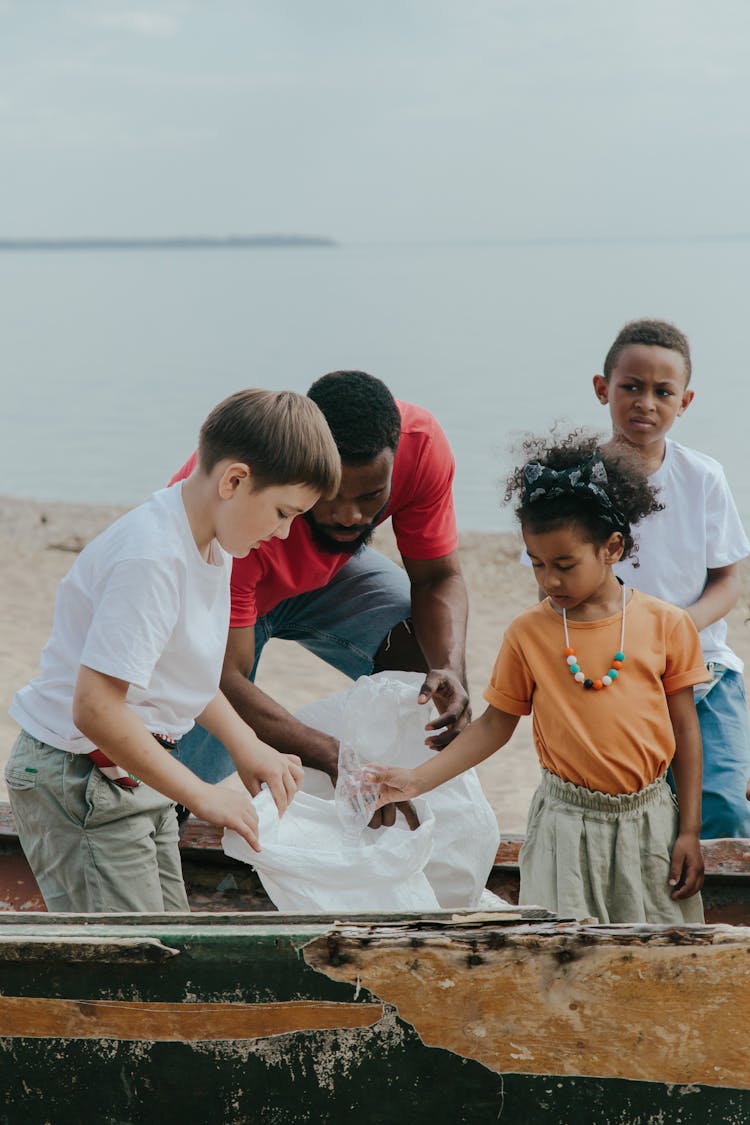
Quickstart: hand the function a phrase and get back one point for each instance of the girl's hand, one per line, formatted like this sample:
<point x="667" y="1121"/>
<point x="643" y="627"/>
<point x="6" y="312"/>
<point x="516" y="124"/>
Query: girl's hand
<point x="229" y="808"/>
<point x="282" y="773"/>
<point x="686" y="868"/>
<point x="396" y="785"/>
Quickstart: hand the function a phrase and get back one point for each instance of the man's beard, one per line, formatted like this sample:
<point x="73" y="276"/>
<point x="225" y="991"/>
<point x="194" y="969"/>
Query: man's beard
<point x="332" y="546"/>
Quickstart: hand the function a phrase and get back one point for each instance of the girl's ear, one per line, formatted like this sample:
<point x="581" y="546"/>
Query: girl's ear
<point x="614" y="547"/>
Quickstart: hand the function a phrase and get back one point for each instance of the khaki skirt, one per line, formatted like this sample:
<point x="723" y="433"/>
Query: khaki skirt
<point x="593" y="855"/>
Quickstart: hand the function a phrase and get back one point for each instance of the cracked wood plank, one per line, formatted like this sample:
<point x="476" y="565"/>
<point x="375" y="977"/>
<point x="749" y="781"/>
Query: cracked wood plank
<point x="632" y="1002"/>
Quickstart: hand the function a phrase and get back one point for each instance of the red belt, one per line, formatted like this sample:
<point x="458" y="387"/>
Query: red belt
<point x="116" y="774"/>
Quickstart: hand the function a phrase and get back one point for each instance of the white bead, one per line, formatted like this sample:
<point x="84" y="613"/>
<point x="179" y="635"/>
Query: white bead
<point x="570" y="660"/>
<point x="606" y="680"/>
<point x="579" y="677"/>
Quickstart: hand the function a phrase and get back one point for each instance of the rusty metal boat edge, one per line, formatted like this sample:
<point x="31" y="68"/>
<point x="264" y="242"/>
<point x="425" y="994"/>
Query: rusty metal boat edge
<point x="245" y="1016"/>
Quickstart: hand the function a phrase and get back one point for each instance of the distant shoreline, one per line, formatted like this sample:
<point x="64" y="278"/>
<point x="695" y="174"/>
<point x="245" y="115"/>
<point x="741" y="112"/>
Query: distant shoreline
<point x="186" y="242"/>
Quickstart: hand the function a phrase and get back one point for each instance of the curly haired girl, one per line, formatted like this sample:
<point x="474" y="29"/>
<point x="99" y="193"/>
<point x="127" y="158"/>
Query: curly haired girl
<point x="608" y="673"/>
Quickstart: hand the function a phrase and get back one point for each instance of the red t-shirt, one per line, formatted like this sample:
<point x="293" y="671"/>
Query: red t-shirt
<point x="421" y="506"/>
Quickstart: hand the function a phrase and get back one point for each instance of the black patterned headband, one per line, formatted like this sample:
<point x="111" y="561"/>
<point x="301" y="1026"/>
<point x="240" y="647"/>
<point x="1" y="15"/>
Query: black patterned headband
<point x="586" y="480"/>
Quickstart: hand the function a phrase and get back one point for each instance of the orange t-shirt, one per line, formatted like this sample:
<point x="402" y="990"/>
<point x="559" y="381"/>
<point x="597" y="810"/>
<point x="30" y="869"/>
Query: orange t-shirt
<point x="619" y="739"/>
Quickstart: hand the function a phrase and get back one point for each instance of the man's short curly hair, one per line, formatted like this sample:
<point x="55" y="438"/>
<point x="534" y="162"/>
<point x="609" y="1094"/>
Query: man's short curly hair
<point x="627" y="486"/>
<point x="361" y="413"/>
<point x="655" y="333"/>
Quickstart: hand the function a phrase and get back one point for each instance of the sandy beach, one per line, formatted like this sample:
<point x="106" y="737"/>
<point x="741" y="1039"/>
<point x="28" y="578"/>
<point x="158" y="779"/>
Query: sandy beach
<point x="38" y="545"/>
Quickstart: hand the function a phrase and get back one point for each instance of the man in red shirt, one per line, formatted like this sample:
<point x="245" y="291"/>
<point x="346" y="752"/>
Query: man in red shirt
<point x="324" y="587"/>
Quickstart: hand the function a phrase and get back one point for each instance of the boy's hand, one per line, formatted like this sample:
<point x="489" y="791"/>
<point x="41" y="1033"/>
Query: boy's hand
<point x="229" y="808"/>
<point x="282" y="774"/>
<point x="686" y="868"/>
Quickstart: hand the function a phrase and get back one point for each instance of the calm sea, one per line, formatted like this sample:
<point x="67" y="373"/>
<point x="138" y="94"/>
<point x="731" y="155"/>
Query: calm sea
<point x="112" y="359"/>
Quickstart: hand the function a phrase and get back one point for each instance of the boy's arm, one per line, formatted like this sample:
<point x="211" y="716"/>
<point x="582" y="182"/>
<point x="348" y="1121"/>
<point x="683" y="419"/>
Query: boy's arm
<point x="686" y="869"/>
<point x="255" y="763"/>
<point x="719" y="596"/>
<point x="101" y="713"/>
<point x="478" y="741"/>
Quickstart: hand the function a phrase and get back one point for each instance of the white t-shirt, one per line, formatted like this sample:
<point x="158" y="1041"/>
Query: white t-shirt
<point x="698" y="530"/>
<point x="141" y="604"/>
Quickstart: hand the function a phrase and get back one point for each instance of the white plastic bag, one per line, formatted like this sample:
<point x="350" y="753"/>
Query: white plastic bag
<point x="307" y="865"/>
<point x="378" y="719"/>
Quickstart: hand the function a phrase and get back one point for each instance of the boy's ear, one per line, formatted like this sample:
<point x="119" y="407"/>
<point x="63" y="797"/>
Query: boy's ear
<point x="601" y="389"/>
<point x="687" y="398"/>
<point x="232" y="476"/>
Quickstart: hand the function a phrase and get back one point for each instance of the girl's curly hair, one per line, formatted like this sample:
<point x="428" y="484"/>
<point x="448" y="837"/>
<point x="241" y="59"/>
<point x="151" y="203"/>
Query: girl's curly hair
<point x="627" y="487"/>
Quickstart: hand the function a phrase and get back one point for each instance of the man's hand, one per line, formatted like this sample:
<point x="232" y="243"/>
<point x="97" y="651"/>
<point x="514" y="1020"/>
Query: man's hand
<point x="686" y="868"/>
<point x="385" y="816"/>
<point x="452" y="701"/>
<point x="282" y="773"/>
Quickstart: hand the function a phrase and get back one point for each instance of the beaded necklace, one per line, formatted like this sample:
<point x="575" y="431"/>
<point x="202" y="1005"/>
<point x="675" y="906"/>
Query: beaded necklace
<point x="572" y="661"/>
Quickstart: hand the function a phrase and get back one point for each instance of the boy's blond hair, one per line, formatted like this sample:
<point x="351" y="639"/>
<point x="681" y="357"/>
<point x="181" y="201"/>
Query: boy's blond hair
<point x="281" y="435"/>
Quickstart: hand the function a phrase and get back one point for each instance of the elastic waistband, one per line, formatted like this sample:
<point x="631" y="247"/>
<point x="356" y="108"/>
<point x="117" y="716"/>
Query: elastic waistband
<point x="554" y="786"/>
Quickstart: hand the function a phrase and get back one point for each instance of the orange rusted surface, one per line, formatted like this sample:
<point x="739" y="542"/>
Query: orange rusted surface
<point x="158" y="1022"/>
<point x="215" y="882"/>
<point x="18" y="887"/>
<point x="721" y="856"/>
<point x="638" y="1003"/>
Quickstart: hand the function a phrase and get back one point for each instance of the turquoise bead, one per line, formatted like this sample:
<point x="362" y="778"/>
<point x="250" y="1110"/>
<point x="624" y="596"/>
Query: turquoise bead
<point x="612" y="673"/>
<point x="619" y="656"/>
<point x="574" y="668"/>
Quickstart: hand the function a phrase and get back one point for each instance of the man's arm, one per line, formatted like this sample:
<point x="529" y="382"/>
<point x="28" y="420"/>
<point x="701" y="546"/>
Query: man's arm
<point x="254" y="762"/>
<point x="439" y="613"/>
<point x="272" y="723"/>
<point x="719" y="596"/>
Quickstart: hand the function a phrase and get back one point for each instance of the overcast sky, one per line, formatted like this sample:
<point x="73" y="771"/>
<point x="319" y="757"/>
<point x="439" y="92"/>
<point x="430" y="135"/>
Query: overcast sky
<point x="400" y="119"/>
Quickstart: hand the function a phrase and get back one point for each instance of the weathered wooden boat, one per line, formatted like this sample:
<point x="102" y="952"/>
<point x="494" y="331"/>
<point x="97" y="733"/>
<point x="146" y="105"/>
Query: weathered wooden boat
<point x="246" y="1015"/>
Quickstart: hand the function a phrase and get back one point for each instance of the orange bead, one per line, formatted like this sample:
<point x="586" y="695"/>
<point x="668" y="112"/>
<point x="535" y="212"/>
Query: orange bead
<point x="570" y="652"/>
<point x="598" y="685"/>
<point x="617" y="664"/>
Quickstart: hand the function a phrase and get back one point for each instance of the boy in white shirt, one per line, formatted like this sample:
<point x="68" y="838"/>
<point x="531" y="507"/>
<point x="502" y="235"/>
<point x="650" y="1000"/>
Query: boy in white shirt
<point x="135" y="656"/>
<point x="688" y="553"/>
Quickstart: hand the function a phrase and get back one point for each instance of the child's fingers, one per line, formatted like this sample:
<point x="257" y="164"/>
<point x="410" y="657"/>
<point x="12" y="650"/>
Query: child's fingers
<point x="296" y="769"/>
<point x="685" y="871"/>
<point x="293" y="775"/>
<point x="275" y="783"/>
<point x="691" y="883"/>
<point x="241" y="816"/>
<point x="247" y="832"/>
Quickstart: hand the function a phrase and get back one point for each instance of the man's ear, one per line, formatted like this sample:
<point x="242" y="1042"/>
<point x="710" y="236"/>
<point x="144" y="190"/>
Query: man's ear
<point x="687" y="398"/>
<point x="601" y="389"/>
<point x="233" y="475"/>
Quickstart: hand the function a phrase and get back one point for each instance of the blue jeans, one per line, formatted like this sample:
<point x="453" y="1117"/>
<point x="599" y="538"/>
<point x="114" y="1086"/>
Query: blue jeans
<point x="344" y="623"/>
<point x="726" y="758"/>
